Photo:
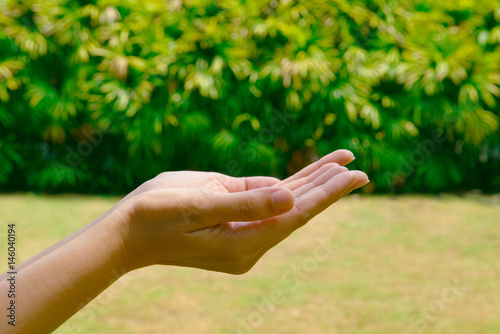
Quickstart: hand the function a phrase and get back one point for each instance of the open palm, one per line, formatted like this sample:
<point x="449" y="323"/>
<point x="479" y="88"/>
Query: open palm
<point x="180" y="220"/>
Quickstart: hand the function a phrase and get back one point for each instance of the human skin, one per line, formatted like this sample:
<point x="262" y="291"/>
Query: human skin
<point x="203" y="220"/>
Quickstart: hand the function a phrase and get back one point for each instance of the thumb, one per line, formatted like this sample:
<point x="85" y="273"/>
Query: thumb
<point x="250" y="205"/>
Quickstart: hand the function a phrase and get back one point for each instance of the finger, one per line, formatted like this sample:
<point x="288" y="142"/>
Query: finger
<point x="321" y="179"/>
<point x="293" y="185"/>
<point x="248" y="205"/>
<point x="319" y="198"/>
<point x="342" y="157"/>
<point x="269" y="232"/>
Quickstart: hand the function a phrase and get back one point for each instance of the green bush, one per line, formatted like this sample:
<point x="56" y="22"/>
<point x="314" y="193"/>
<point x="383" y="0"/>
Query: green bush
<point x="96" y="97"/>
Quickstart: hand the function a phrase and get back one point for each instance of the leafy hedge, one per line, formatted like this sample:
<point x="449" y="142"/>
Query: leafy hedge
<point x="98" y="96"/>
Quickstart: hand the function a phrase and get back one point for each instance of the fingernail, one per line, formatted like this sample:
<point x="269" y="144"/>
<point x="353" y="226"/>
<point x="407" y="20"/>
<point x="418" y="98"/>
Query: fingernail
<point x="355" y="185"/>
<point x="282" y="200"/>
<point x="349" y="160"/>
<point x="360" y="183"/>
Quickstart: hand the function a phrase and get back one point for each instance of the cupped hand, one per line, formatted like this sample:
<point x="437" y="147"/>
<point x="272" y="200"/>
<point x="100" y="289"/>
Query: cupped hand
<point x="221" y="223"/>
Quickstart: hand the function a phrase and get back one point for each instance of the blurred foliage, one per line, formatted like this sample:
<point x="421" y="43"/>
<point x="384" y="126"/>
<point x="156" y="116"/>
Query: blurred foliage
<point x="96" y="96"/>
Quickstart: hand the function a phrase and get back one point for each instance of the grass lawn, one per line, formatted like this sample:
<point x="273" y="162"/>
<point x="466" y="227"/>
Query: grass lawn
<point x="411" y="264"/>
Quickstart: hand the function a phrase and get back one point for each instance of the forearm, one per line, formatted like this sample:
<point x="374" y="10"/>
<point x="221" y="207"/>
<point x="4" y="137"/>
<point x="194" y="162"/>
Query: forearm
<point x="53" y="288"/>
<point x="72" y="236"/>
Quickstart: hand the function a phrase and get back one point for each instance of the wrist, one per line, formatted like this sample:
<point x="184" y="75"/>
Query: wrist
<point x="126" y="246"/>
<point x="114" y="226"/>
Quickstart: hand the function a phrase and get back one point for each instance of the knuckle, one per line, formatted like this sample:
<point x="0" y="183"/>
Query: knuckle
<point x="301" y="222"/>
<point x="139" y="204"/>
<point x="249" y="207"/>
<point x="200" y="199"/>
<point x="303" y="219"/>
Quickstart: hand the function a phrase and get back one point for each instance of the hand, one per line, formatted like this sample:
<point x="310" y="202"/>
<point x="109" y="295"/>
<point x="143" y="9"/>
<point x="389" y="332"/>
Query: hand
<point x="216" y="222"/>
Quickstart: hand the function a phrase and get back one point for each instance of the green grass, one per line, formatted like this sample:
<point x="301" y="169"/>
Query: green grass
<point x="391" y="259"/>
